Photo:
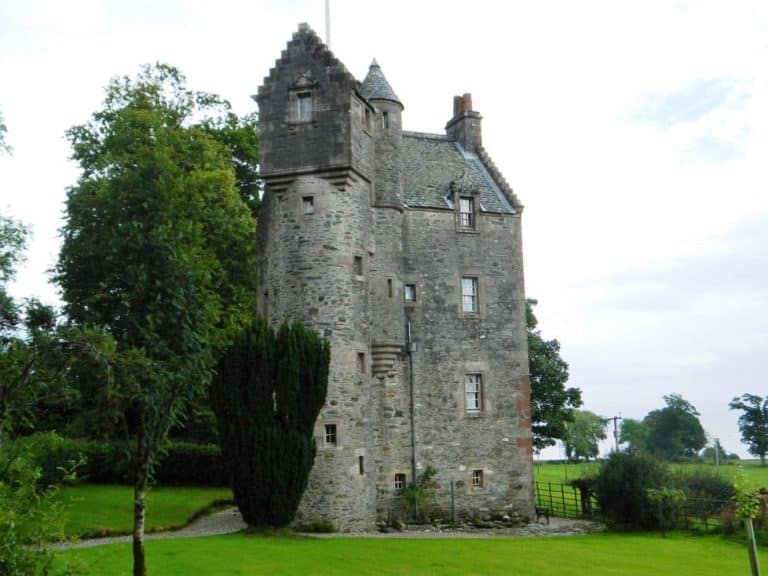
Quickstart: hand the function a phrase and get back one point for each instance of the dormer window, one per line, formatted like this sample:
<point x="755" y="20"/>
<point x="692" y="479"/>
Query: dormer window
<point x="466" y="212"/>
<point x="304" y="107"/>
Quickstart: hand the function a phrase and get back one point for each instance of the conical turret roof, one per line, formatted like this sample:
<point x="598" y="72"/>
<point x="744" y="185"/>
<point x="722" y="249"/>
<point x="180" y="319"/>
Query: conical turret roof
<point x="376" y="87"/>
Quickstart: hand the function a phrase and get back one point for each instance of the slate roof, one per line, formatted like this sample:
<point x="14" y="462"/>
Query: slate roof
<point x="433" y="162"/>
<point x="376" y="87"/>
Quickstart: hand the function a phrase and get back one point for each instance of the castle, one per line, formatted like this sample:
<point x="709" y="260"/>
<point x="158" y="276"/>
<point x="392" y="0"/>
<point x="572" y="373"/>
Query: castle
<point x="402" y="249"/>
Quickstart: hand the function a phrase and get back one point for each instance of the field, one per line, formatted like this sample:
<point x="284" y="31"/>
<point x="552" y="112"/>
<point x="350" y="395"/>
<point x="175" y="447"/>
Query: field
<point x="96" y="509"/>
<point x="595" y="555"/>
<point x="558" y="473"/>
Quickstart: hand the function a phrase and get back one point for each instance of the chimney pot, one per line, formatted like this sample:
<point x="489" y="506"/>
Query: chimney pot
<point x="466" y="102"/>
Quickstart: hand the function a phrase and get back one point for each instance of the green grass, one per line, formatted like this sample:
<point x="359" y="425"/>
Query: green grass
<point x="593" y="555"/>
<point x="757" y="476"/>
<point x="100" y="509"/>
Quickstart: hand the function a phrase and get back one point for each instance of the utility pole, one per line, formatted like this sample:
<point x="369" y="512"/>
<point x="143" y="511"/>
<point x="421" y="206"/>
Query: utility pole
<point x="615" y="430"/>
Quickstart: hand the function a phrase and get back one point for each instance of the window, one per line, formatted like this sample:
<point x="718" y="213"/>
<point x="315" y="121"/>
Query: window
<point x="409" y="292"/>
<point x="399" y="481"/>
<point x="358" y="265"/>
<point x="304" y="106"/>
<point x="308" y="205"/>
<point x="360" y="466"/>
<point x="473" y="392"/>
<point x="469" y="300"/>
<point x="367" y="120"/>
<point x="361" y="362"/>
<point x="466" y="212"/>
<point x="385" y="120"/>
<point x="477" y="478"/>
<point x="331" y="437"/>
<point x="389" y="288"/>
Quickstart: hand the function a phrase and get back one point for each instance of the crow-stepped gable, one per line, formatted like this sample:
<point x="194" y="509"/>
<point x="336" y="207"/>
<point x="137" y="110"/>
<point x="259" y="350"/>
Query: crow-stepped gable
<point x="403" y="249"/>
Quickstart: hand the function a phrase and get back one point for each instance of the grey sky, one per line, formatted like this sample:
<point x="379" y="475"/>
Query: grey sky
<point x="636" y="134"/>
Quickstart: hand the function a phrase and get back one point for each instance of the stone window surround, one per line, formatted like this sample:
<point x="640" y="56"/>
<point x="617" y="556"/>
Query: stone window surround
<point x="415" y="299"/>
<point x="481" y="298"/>
<point x="458" y="194"/>
<point x="479" y="367"/>
<point x="477" y="479"/>
<point x="308" y="205"/>
<point x="322" y="441"/>
<point x="468" y="379"/>
<point x="400" y="480"/>
<point x="361" y="362"/>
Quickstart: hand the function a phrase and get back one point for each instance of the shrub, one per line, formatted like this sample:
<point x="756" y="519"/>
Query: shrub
<point x="668" y="503"/>
<point x="620" y="488"/>
<point x="189" y="463"/>
<point x="418" y="497"/>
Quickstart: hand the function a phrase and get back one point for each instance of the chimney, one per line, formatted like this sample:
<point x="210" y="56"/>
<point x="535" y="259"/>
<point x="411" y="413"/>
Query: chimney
<point x="465" y="126"/>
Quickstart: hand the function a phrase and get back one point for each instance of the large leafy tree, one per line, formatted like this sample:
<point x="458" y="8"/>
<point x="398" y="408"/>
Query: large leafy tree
<point x="267" y="393"/>
<point x="584" y="434"/>
<point x="753" y="423"/>
<point x="634" y="434"/>
<point x="158" y="250"/>
<point x="675" y="432"/>
<point x="552" y="404"/>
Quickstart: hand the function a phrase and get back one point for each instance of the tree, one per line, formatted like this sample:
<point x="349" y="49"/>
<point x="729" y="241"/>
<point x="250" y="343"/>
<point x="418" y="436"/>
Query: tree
<point x="635" y="434"/>
<point x="158" y="250"/>
<point x="583" y="435"/>
<point x="552" y="404"/>
<point x="3" y="145"/>
<point x="753" y="423"/>
<point x="267" y="393"/>
<point x="675" y="432"/>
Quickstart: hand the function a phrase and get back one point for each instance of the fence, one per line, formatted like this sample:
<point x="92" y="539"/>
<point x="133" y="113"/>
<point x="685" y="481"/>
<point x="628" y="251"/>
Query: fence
<point x="565" y="501"/>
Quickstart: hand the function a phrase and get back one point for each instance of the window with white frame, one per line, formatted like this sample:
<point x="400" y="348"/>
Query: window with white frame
<point x="466" y="212"/>
<point x="473" y="392"/>
<point x="304" y="106"/>
<point x="308" y="205"/>
<point x="469" y="296"/>
<point x="399" y="481"/>
<point x="477" y="478"/>
<point x="409" y="292"/>
<point x="331" y="435"/>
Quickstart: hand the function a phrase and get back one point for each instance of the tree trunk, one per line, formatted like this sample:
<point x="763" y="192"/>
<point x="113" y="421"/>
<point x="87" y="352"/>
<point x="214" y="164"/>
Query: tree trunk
<point x="139" y="514"/>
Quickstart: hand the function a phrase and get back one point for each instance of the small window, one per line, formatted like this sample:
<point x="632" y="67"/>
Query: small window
<point x="390" y="289"/>
<point x="469" y="297"/>
<point x="385" y="120"/>
<point x="360" y="467"/>
<point x="358" y="266"/>
<point x="466" y="212"/>
<point x="473" y="392"/>
<point x="308" y="205"/>
<point x="399" y="481"/>
<point x="409" y="292"/>
<point x="304" y="106"/>
<point x="331" y="437"/>
<point x="367" y="119"/>
<point x="477" y="478"/>
<point x="361" y="362"/>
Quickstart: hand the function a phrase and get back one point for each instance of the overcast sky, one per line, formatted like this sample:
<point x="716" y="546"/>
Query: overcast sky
<point x="635" y="133"/>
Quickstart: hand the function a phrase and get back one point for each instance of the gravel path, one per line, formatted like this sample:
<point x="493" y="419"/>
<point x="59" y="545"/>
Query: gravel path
<point x="229" y="521"/>
<point x="223" y="522"/>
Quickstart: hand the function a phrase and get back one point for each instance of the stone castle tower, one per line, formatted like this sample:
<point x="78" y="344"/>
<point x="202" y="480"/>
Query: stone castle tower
<point x="404" y="251"/>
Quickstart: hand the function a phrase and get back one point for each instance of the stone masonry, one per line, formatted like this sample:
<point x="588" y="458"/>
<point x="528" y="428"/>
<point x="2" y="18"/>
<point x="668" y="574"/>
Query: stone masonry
<point x="404" y="251"/>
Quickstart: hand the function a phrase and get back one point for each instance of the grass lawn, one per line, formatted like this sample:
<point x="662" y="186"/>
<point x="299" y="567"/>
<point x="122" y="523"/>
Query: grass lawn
<point x="756" y="475"/>
<point x="98" y="509"/>
<point x="593" y="555"/>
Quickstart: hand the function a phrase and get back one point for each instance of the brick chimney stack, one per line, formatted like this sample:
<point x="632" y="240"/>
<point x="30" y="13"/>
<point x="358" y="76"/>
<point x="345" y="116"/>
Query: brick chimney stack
<point x="465" y="126"/>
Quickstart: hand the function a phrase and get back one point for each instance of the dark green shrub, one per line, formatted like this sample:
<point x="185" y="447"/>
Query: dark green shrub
<point x="267" y="393"/>
<point x="189" y="463"/>
<point x="699" y="482"/>
<point x="419" y="496"/>
<point x="53" y="456"/>
<point x="620" y="488"/>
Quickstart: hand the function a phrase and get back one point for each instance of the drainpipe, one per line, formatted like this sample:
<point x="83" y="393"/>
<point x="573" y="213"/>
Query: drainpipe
<point x="411" y="348"/>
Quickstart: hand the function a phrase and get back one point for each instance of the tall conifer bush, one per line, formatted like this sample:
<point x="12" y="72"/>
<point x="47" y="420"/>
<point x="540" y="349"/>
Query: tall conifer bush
<point x="267" y="393"/>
